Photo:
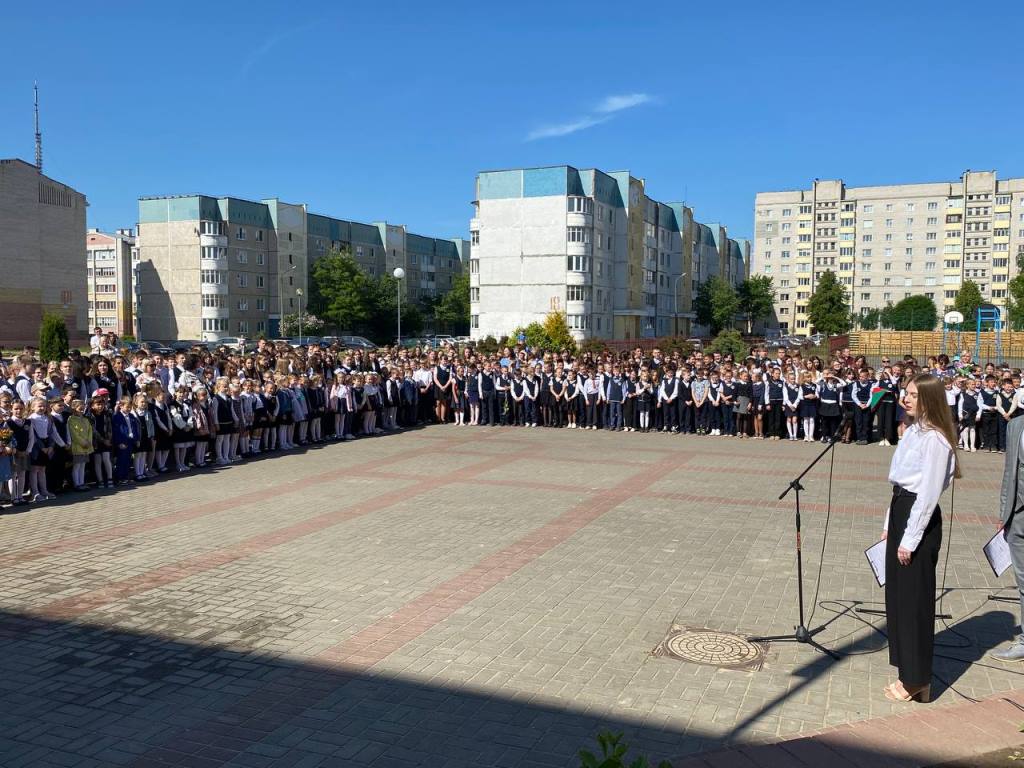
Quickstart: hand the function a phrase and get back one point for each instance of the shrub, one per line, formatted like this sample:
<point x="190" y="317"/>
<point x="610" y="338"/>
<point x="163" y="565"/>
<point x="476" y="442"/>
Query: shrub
<point x="487" y="345"/>
<point x="53" y="338"/>
<point x="672" y="344"/>
<point x="729" y="342"/>
<point x="613" y="754"/>
<point x="593" y="346"/>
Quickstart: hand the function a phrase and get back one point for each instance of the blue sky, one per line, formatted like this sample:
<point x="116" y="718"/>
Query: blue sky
<point x="385" y="110"/>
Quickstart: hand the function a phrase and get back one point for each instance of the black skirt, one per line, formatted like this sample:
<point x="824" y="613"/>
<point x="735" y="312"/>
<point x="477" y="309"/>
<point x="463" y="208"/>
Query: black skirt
<point x="910" y="593"/>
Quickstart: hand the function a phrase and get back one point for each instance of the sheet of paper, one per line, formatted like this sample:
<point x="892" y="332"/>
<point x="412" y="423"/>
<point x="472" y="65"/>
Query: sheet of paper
<point x="997" y="552"/>
<point x="876" y="559"/>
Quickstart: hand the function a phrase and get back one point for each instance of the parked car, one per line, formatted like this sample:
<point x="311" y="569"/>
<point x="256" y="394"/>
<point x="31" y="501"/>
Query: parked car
<point x="156" y="348"/>
<point x="304" y="341"/>
<point x="697" y="344"/>
<point x="357" y="342"/>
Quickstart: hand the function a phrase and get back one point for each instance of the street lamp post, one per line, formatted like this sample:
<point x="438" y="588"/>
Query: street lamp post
<point x="399" y="273"/>
<point x="676" y="299"/>
<point x="298" y="292"/>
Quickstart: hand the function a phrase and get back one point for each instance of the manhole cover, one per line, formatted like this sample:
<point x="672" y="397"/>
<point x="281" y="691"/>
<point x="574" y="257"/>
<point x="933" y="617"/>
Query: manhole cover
<point x="711" y="647"/>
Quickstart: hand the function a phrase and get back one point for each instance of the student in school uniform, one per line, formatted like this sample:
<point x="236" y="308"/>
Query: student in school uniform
<point x="488" y="403"/>
<point x="183" y="427"/>
<point x="989" y="415"/>
<point x="614" y="394"/>
<point x="572" y="394"/>
<point x="502" y="398"/>
<point x="667" y="394"/>
<point x="103" y="439"/>
<point x="556" y="388"/>
<point x="829" y="408"/>
<point x="714" y="403"/>
<point x="808" y="405"/>
<point x="517" y="393"/>
<point x="969" y="414"/>
<point x="757" y="401"/>
<point x="126" y="440"/>
<point x="645" y="400"/>
<point x="743" y="403"/>
<point x="727" y="404"/>
<point x="42" y="438"/>
<point x="530" y="388"/>
<point x="80" y="432"/>
<point x="1006" y="406"/>
<point x="459" y="395"/>
<point x="699" y="390"/>
<point x="887" y="408"/>
<point x="773" y="405"/>
<point x="686" y="418"/>
<point x="791" y="405"/>
<point x="860" y="396"/>
<point x="629" y="393"/>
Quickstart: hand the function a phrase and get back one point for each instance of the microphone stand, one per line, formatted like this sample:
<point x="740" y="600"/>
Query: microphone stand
<point x="801" y="633"/>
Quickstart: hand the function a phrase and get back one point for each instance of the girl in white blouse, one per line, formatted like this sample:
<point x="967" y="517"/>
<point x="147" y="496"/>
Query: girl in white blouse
<point x="922" y="467"/>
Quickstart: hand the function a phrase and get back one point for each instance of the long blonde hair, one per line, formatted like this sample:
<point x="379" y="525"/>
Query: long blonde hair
<point x="933" y="412"/>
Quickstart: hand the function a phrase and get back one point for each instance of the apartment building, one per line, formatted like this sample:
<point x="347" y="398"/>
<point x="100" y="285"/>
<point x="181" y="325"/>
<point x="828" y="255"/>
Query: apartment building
<point x="110" y="287"/>
<point x="593" y="245"/>
<point x="885" y="243"/>
<point x="210" y="267"/>
<point x="42" y="229"/>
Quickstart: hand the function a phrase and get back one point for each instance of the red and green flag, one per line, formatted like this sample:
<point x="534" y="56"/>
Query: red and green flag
<point x="877" y="393"/>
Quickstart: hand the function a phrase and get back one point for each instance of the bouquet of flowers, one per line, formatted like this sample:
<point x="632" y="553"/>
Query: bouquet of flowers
<point x="6" y="441"/>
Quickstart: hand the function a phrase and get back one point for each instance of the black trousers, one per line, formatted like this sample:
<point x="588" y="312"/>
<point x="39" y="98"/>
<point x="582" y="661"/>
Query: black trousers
<point x="488" y="408"/>
<point x="774" y="419"/>
<point x="910" y="594"/>
<point x="887" y="419"/>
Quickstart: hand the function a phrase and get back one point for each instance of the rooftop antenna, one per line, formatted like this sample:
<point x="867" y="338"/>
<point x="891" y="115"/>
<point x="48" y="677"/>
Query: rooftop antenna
<point x="39" y="136"/>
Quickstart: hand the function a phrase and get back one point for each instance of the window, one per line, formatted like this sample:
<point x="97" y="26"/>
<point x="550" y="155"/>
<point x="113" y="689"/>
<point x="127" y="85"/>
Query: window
<point x="211" y="227"/>
<point x="933" y="221"/>
<point x="578" y="234"/>
<point x="259" y="235"/>
<point x="240" y="234"/>
<point x="910" y="206"/>
<point x="474" y="294"/>
<point x="787" y="211"/>
<point x="889" y="206"/>
<point x="243" y="257"/>
<point x="243" y="327"/>
<point x="805" y="209"/>
<point x="474" y="266"/>
<point x="261" y="305"/>
<point x="579" y="264"/>
<point x="786" y="226"/>
<point x="869" y="208"/>
<point x="577" y="293"/>
<point x="243" y="279"/>
<point x="259" y="281"/>
<point x="865" y="238"/>
<point x="215" y="324"/>
<point x="933" y="206"/>
<point x="931" y="250"/>
<point x="474" y="237"/>
<point x="213" y="252"/>
<point x="580" y="205"/>
<point x="213" y="301"/>
<point x="929" y="266"/>
<point x="243" y="305"/>
<point x="474" y="321"/>
<point x="578" y="322"/>
<point x="211" y="276"/>
<point x="1002" y="199"/>
<point x="259" y="258"/>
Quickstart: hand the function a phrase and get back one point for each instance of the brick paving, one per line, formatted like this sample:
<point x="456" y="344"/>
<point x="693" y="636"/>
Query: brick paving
<point x="482" y="597"/>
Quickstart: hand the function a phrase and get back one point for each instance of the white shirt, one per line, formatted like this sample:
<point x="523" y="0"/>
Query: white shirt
<point x="922" y="464"/>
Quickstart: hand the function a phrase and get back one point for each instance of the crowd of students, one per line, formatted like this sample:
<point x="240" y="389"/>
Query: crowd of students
<point x="117" y="418"/>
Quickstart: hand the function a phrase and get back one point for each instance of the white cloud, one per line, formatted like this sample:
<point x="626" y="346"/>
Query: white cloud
<point x="619" y="103"/>
<point x="564" y="129"/>
<point x="604" y="111"/>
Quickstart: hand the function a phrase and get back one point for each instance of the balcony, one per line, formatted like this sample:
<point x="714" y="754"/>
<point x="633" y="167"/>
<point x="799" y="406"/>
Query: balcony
<point x="218" y="241"/>
<point x="575" y="219"/>
<point x="220" y="290"/>
<point x="578" y="249"/>
<point x="577" y="278"/>
<point x="214" y="312"/>
<point x="221" y="264"/>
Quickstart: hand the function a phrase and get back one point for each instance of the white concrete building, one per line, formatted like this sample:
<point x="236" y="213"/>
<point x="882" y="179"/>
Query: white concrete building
<point x="886" y="243"/>
<point x="594" y="246"/>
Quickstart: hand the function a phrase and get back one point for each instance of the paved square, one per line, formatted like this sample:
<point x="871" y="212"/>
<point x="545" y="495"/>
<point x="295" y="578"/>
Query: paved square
<point x="463" y="597"/>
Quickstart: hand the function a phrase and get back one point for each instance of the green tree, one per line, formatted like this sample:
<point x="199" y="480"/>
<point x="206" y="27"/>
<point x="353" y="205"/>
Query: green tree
<point x="729" y="342"/>
<point x="451" y="311"/>
<point x="53" y="338"/>
<point x="382" y="297"/>
<point x="869" y="321"/>
<point x="968" y="299"/>
<point x="914" y="313"/>
<point x="756" y="299"/>
<point x="1015" y="302"/>
<point x="716" y="304"/>
<point x="340" y="292"/>
<point x="552" y="335"/>
<point x="828" y="308"/>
